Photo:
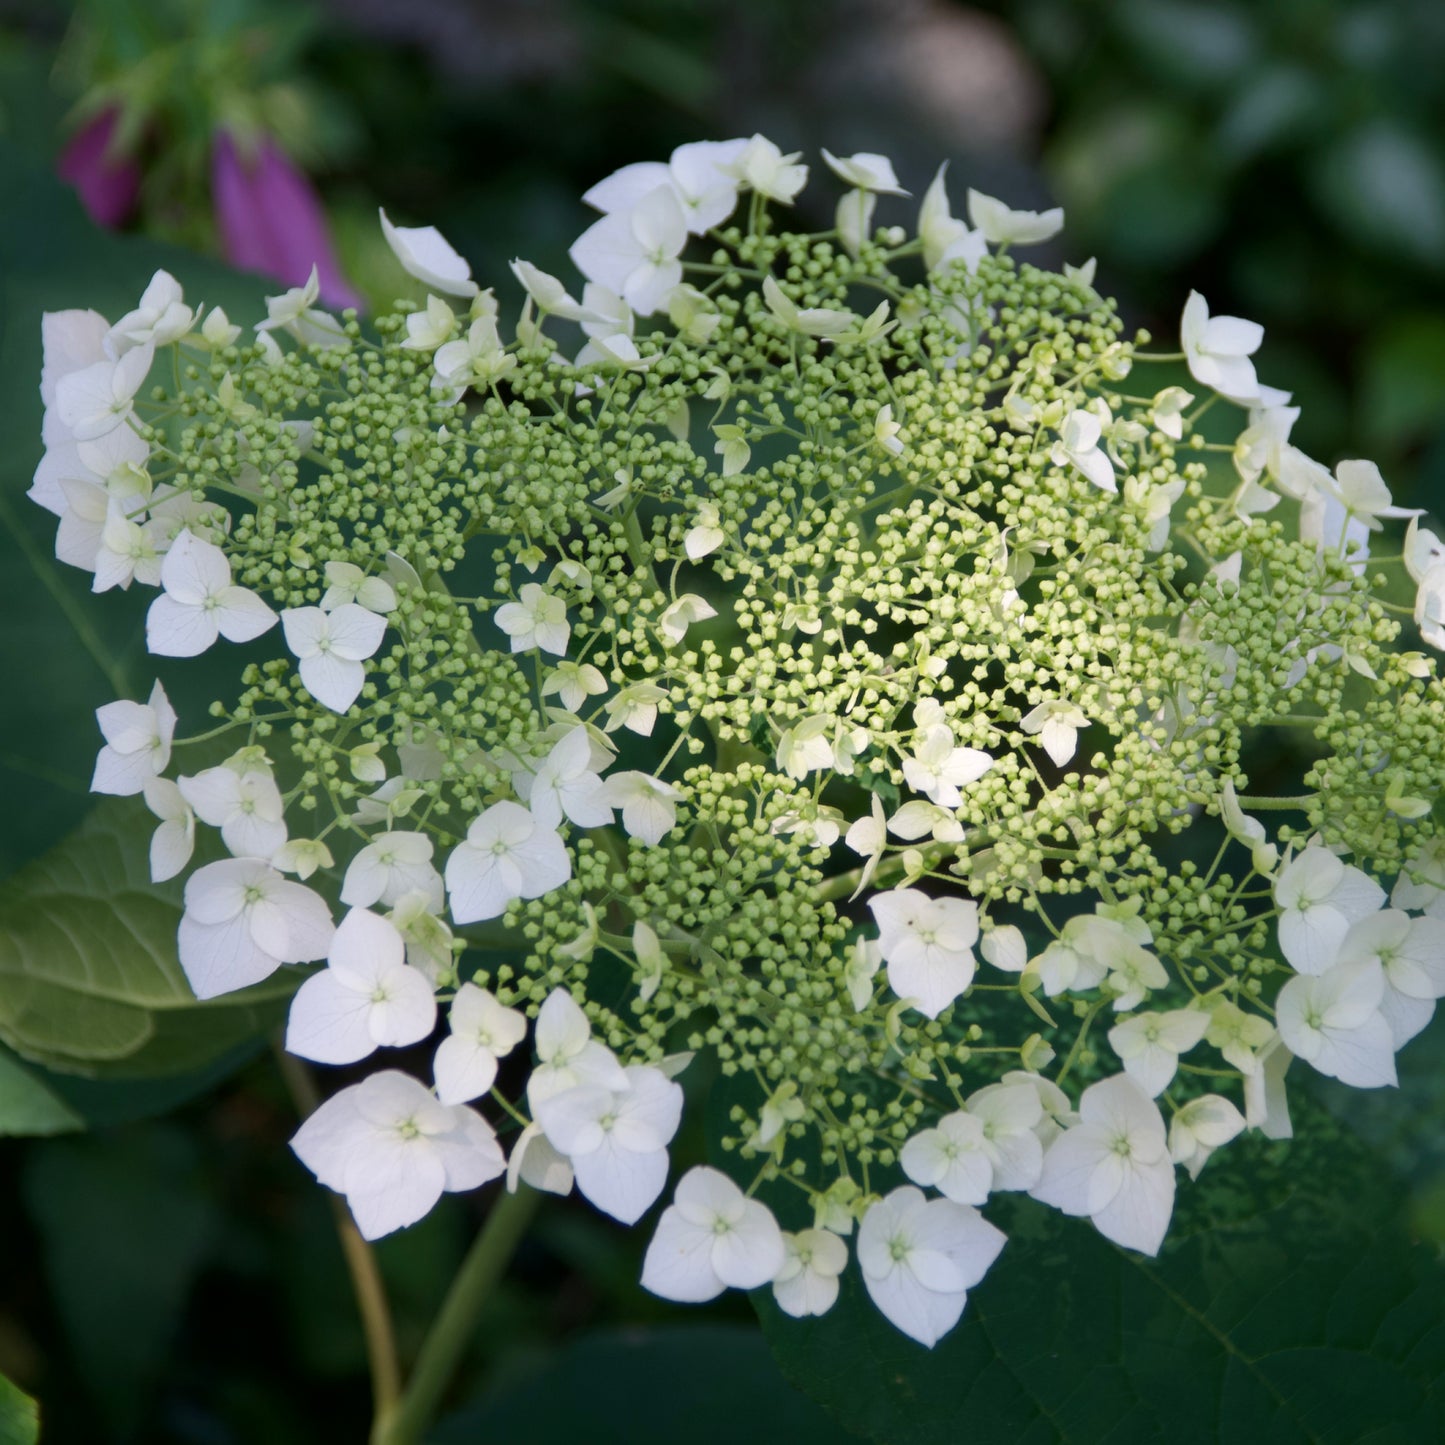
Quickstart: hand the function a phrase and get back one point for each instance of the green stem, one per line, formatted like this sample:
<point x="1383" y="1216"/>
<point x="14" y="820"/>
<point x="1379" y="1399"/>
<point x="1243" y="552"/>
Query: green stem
<point x="447" y="1340"/>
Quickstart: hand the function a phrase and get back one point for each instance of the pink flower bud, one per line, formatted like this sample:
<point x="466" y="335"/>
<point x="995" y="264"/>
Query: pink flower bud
<point x="271" y="219"/>
<point x="106" y="183"/>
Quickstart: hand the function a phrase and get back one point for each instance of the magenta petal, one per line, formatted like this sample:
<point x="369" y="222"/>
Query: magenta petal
<point x="107" y="185"/>
<point x="271" y="220"/>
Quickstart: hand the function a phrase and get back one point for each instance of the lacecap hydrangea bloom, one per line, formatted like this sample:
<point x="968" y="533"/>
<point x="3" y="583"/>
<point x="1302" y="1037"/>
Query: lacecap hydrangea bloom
<point x="819" y="649"/>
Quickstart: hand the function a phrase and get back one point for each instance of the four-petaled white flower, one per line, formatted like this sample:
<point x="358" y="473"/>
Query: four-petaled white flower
<point x="764" y="168"/>
<point x="1000" y="225"/>
<point x="572" y="683"/>
<point x="507" y="854"/>
<point x="137" y="743"/>
<point x="482" y="1031"/>
<point x="1218" y="348"/>
<point x="807" y="1284"/>
<point x="297" y="313"/>
<point x="367" y="997"/>
<point x="1201" y="1127"/>
<point x="1167" y="412"/>
<point x="565" y="785"/>
<point x="649" y="806"/>
<point x="920" y="1257"/>
<point x="160" y="317"/>
<point x="391" y="866"/>
<point x="330" y="648"/>
<point x="697" y="173"/>
<point x="938" y="767"/>
<point x="951" y="1158"/>
<point x="1332" y="1021"/>
<point x="426" y="254"/>
<point x="1013" y="1120"/>
<point x="1113" y="1166"/>
<point x="1319" y="897"/>
<point x="477" y="360"/>
<point x="97" y="399"/>
<point x="1056" y="724"/>
<point x="1149" y="1044"/>
<point x="568" y="1054"/>
<point x="536" y="619"/>
<point x="1078" y="445"/>
<point x="927" y="944"/>
<point x="1411" y="951"/>
<point x="242" y="921"/>
<point x="635" y="252"/>
<point x="1239" y="1036"/>
<point x="201" y="603"/>
<point x="705" y="535"/>
<point x="346" y="582"/>
<point x="712" y="1237"/>
<point x="678" y="616"/>
<point x="616" y="1139"/>
<point x="392" y="1149"/>
<point x="242" y="800"/>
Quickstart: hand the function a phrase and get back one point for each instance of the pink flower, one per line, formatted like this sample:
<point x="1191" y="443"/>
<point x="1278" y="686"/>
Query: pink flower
<point x="271" y="219"/>
<point x="107" y="184"/>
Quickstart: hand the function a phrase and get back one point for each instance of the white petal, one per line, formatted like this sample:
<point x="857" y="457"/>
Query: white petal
<point x="463" y="1070"/>
<point x="392" y="1184"/>
<point x="175" y="629"/>
<point x="678" y="1264"/>
<point x="219" y="958"/>
<point x="620" y="1182"/>
<point x="1138" y="1215"/>
<point x="425" y="253"/>
<point x="332" y="680"/>
<point x="329" y="1022"/>
<point x="241" y="616"/>
<point x="750" y="1253"/>
<point x="920" y="1313"/>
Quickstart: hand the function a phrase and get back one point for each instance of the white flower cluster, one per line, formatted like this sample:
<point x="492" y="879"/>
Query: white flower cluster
<point x="942" y="783"/>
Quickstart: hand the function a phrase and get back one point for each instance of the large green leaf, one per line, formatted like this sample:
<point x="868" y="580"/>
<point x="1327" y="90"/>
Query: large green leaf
<point x="28" y="1105"/>
<point x="89" y="979"/>
<point x="1289" y="1307"/>
<point x="19" y="1416"/>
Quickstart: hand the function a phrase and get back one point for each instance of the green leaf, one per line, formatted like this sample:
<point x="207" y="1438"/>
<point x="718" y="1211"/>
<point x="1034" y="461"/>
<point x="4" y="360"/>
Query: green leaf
<point x="19" y="1416"/>
<point x="1289" y="1307"/>
<point x="28" y="1106"/>
<point x="89" y="978"/>
<point x="703" y="1384"/>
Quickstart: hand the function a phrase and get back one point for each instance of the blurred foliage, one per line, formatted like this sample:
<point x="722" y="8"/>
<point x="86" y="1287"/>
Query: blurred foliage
<point x="1288" y="160"/>
<point x="176" y="72"/>
<point x="178" y="1280"/>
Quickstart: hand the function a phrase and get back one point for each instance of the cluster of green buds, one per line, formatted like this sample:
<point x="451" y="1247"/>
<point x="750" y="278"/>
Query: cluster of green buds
<point x="821" y="650"/>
